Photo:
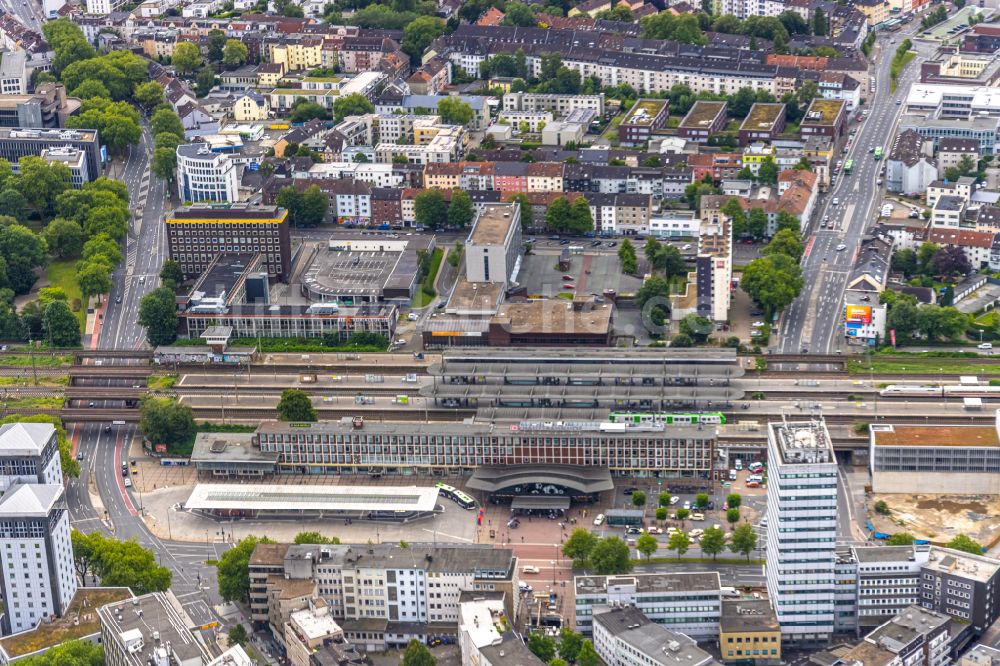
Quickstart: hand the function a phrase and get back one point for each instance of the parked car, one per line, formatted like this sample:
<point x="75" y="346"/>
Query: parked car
<point x="599" y="519"/>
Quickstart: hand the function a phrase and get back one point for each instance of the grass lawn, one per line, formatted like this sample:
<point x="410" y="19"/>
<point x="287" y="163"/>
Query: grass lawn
<point x="62" y="274"/>
<point x="42" y="360"/>
<point x="161" y="382"/>
<point x="43" y="380"/>
<point x="34" y="402"/>
<point x="925" y="366"/>
<point x="426" y="293"/>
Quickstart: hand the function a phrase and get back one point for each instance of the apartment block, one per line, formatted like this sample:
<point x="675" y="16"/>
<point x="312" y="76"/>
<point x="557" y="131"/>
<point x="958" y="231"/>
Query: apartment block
<point x="962" y="585"/>
<point x="644" y="118"/>
<point x="380" y="595"/>
<point x="29" y="453"/>
<point x="887" y="581"/>
<point x="624" y="636"/>
<point x="704" y="119"/>
<point x="749" y="632"/>
<point x="801" y="532"/>
<point x="764" y="122"/>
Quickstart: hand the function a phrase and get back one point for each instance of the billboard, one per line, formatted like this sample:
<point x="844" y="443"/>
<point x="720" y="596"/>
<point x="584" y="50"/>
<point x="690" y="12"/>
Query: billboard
<point x="859" y="313"/>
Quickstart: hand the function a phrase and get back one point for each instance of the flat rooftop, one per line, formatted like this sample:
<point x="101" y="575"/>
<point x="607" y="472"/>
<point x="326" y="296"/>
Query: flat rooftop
<point x="477" y="296"/>
<point x="225" y="272"/>
<point x="229" y="447"/>
<point x="762" y="116"/>
<point x="78" y="621"/>
<point x="493" y="224"/>
<point x="944" y="436"/>
<point x="802" y="442"/>
<point x="702" y="114"/>
<point x="554" y="316"/>
<point x="976" y="567"/>
<point x="643" y="112"/>
<point x="659" y="645"/>
<point x="350" y="273"/>
<point x="219" y="213"/>
<point x="315" y="624"/>
<point x="879" y="554"/>
<point x="159" y="614"/>
<point x="677" y="583"/>
<point x="823" y="111"/>
<point x="267" y="497"/>
<point x="747" y="615"/>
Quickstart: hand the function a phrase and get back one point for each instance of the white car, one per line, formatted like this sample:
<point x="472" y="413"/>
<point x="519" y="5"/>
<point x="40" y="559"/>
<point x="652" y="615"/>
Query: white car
<point x="599" y="519"/>
<point x="687" y="505"/>
<point x="675" y="499"/>
<point x="757" y="324"/>
<point x="530" y="569"/>
<point x="986" y="345"/>
<point x="128" y="482"/>
<point x="413" y="316"/>
<point x="841" y="247"/>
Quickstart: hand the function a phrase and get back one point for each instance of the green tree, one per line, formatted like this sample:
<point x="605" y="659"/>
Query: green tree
<point x="683" y="514"/>
<point x="579" y="546"/>
<point x="64" y="238"/>
<point x="237" y="635"/>
<point x="773" y="282"/>
<point x="901" y="539"/>
<point x="166" y="120"/>
<point x="295" y="406"/>
<point x="158" y="313"/>
<point x="216" y="45"/>
<point x="460" y="210"/>
<point x="610" y="556"/>
<point x="148" y="95"/>
<point x="527" y="215"/>
<point x="581" y="219"/>
<point x="234" y="53"/>
<point x="570" y="643"/>
<point x="663" y="499"/>
<point x="69" y="653"/>
<point x="964" y="543"/>
<point x="91" y="88"/>
<point x="787" y="221"/>
<point x="785" y="242"/>
<point x="119" y="563"/>
<point x="661" y="513"/>
<point x="734" y="211"/>
<point x="204" y="81"/>
<point x="734" y="500"/>
<point x="354" y="104"/>
<point x="430" y="209"/>
<point x="171" y="273"/>
<point x="94" y="278"/>
<point x="647" y="545"/>
<point x="103" y="247"/>
<point x="519" y="14"/>
<point x="454" y="111"/>
<point x="695" y="327"/>
<point x="418" y="35"/>
<point x="62" y="328"/>
<point x="757" y="222"/>
<point x="166" y="421"/>
<point x="713" y="541"/>
<point x="639" y="499"/>
<point x="733" y="515"/>
<point x="701" y="500"/>
<point x="627" y="258"/>
<point x="41" y="182"/>
<point x="768" y="171"/>
<point x="542" y="646"/>
<point x="314" y="538"/>
<point x="22" y="250"/>
<point x="819" y="23"/>
<point x="186" y="57"/>
<point x="679" y="542"/>
<point x="313" y="206"/>
<point x="744" y="540"/>
<point x="303" y="111"/>
<point x="559" y="215"/>
<point x="588" y="655"/>
<point x="165" y="163"/>
<point x="233" y="569"/>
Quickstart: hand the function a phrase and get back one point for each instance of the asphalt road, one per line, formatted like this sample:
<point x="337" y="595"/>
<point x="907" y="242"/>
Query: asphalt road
<point x="194" y="582"/>
<point x="814" y="321"/>
<point x="29" y="12"/>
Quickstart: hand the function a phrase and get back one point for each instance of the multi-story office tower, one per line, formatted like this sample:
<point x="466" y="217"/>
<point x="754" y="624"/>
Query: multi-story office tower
<point x="802" y="532"/>
<point x="36" y="555"/>
<point x="18" y="143"/>
<point x="29" y="453"/>
<point x="205" y="176"/>
<point x="888" y="581"/>
<point x="197" y="234"/>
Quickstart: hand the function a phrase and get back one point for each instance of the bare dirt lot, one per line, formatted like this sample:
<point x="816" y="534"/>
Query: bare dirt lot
<point x="938" y="518"/>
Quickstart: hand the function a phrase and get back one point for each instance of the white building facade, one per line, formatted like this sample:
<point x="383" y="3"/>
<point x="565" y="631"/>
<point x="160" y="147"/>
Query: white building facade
<point x="204" y="176"/>
<point x="802" y="532"/>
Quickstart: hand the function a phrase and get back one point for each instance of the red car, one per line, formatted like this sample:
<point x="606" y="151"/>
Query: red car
<point x="568" y="277"/>
<point x="569" y="286"/>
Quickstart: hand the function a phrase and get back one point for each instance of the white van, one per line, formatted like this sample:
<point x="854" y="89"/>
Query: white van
<point x="986" y="345"/>
<point x="836" y="201"/>
<point x="738" y="465"/>
<point x="732" y="475"/>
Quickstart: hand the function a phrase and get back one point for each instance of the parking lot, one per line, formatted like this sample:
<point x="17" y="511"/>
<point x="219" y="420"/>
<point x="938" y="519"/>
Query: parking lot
<point x="589" y="272"/>
<point x="951" y="27"/>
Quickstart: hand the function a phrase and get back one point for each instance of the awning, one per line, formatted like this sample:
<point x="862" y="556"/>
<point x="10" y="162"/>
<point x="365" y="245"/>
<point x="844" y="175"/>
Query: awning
<point x="582" y="479"/>
<point x="540" y="502"/>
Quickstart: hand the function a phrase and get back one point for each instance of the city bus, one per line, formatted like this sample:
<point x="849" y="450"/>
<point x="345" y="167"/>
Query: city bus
<point x="456" y="496"/>
<point x="848" y="167"/>
<point x="878" y="152"/>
